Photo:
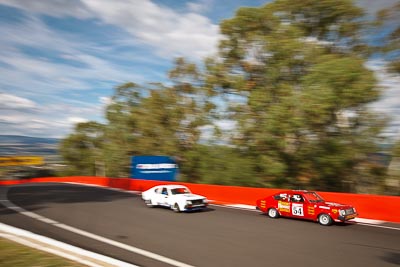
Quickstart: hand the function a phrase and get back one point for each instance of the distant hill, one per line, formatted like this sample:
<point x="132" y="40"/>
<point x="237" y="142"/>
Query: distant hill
<point x="27" y="145"/>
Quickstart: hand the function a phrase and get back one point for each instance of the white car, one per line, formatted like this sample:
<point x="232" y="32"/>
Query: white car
<point x="177" y="197"/>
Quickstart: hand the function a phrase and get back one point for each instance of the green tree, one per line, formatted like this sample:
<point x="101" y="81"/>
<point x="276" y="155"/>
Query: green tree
<point x="392" y="184"/>
<point x="120" y="139"/>
<point x="154" y="119"/>
<point x="290" y="78"/>
<point x="82" y="150"/>
<point x="396" y="149"/>
<point x="299" y="70"/>
<point x="388" y="19"/>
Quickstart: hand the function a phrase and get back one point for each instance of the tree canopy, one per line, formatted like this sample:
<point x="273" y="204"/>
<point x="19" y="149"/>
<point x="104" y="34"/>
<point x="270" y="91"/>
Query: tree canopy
<point x="389" y="18"/>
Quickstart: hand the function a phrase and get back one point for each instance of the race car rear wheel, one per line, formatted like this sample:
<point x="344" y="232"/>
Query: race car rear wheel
<point x="325" y="219"/>
<point x="148" y="203"/>
<point x="176" y="208"/>
<point x="273" y="213"/>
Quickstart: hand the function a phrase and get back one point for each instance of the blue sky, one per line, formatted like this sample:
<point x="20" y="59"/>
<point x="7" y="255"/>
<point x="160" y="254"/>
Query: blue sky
<point x="61" y="59"/>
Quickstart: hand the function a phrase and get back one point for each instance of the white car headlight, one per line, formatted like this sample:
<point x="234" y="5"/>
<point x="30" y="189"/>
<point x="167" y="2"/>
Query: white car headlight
<point x="342" y="212"/>
<point x="189" y="202"/>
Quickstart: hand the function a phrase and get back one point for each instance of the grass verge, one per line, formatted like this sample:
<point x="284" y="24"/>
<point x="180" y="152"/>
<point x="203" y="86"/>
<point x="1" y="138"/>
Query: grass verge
<point x="16" y="255"/>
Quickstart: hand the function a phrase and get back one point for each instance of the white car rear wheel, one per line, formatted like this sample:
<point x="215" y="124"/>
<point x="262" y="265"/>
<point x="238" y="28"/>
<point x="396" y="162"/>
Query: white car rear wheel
<point x="149" y="203"/>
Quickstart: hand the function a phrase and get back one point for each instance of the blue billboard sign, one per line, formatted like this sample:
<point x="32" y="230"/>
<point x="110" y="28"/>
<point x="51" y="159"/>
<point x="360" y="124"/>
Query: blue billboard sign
<point x="161" y="168"/>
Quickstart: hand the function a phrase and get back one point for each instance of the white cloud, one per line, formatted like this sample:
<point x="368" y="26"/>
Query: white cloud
<point x="21" y="116"/>
<point x="55" y="8"/>
<point x="57" y="73"/>
<point x="21" y="69"/>
<point x="200" y="6"/>
<point x="171" y="33"/>
<point x="75" y="120"/>
<point x="105" y="100"/>
<point x="50" y="120"/>
<point x="372" y="6"/>
<point x="8" y="101"/>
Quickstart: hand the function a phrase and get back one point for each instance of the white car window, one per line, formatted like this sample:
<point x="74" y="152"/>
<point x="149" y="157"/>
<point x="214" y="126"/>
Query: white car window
<point x="180" y="190"/>
<point x="164" y="191"/>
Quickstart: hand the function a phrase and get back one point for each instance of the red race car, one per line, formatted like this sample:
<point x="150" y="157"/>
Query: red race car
<point x="306" y="205"/>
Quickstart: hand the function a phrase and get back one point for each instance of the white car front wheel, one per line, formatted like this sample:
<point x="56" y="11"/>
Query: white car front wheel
<point x="176" y="208"/>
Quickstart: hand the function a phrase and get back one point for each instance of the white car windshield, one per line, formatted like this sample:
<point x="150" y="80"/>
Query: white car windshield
<point x="180" y="190"/>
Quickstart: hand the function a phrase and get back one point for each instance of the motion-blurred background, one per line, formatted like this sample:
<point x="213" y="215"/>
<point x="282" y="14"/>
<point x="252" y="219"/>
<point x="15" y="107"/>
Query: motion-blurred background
<point x="284" y="94"/>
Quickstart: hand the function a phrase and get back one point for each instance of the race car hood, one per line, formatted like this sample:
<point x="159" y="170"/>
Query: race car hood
<point x="190" y="196"/>
<point x="333" y="205"/>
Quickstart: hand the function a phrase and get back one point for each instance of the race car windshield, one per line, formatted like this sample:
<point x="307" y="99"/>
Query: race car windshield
<point x="177" y="191"/>
<point x="313" y="197"/>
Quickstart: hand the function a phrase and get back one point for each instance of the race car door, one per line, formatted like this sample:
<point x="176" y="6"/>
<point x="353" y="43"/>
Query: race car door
<point x="297" y="206"/>
<point x="162" y="197"/>
<point x="283" y="204"/>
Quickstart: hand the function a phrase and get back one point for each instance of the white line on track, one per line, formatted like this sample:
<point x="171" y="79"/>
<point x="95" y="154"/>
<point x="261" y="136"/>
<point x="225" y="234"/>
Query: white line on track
<point x="133" y="249"/>
<point x="50" y="245"/>
<point x="378" y="226"/>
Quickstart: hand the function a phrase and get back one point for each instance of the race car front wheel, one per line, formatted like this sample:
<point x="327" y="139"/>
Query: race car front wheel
<point x="176" y="208"/>
<point x="273" y="213"/>
<point x="325" y="219"/>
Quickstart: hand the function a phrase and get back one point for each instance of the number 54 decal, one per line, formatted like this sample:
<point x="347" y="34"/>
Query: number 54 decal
<point x="297" y="209"/>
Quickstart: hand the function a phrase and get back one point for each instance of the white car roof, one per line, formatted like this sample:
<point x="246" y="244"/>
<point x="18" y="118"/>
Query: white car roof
<point x="171" y="186"/>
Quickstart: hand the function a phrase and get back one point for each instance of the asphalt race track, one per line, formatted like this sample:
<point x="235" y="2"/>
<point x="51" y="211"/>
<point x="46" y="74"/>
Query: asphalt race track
<point x="217" y="237"/>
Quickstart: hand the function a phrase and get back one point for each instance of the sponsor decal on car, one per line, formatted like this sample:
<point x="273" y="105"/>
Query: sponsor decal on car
<point x="311" y="210"/>
<point x="297" y="209"/>
<point x="284" y="206"/>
